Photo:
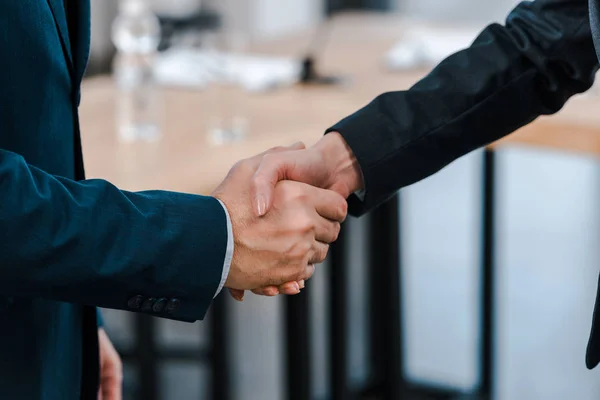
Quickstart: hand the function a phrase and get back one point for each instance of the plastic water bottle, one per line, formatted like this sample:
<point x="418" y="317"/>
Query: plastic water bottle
<point x="224" y="49"/>
<point x="136" y="35"/>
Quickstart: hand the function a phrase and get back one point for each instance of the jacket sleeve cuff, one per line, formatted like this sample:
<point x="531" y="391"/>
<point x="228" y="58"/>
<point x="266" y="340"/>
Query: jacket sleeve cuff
<point x="202" y="272"/>
<point x="186" y="275"/>
<point x="354" y="129"/>
<point x="99" y="319"/>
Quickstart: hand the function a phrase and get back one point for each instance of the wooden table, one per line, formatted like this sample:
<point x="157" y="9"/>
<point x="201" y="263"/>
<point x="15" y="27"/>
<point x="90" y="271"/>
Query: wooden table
<point x="185" y="161"/>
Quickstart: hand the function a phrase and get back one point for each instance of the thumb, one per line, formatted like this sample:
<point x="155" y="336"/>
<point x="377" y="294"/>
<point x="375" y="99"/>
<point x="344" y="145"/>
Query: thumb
<point x="272" y="169"/>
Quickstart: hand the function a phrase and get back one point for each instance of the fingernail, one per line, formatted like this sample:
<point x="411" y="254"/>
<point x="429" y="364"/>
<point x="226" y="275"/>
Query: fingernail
<point x="301" y="284"/>
<point x="239" y="297"/>
<point x="297" y="287"/>
<point x="261" y="205"/>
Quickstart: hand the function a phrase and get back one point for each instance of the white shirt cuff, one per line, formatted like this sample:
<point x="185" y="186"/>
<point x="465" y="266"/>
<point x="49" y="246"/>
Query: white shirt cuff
<point x="361" y="194"/>
<point x="228" y="252"/>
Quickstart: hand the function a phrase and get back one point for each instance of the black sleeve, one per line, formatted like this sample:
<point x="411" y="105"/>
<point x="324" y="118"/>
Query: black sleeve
<point x="509" y="76"/>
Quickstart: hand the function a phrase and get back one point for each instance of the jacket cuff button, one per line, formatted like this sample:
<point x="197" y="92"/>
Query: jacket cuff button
<point x="135" y="302"/>
<point x="148" y="304"/>
<point x="160" y="305"/>
<point x="172" y="306"/>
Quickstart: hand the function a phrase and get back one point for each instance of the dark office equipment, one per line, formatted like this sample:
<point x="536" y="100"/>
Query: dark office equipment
<point x="385" y="299"/>
<point x="340" y="5"/>
<point x="488" y="311"/>
<point x="338" y="311"/>
<point x="198" y="22"/>
<point x="297" y="330"/>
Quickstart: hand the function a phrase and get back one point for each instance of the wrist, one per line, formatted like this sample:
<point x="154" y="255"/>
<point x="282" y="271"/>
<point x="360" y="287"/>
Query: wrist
<point x="346" y="171"/>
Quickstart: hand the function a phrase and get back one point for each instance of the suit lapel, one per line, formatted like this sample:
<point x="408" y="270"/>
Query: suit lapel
<point x="592" y="358"/>
<point x="60" y="18"/>
<point x="79" y="21"/>
<point x="594" y="6"/>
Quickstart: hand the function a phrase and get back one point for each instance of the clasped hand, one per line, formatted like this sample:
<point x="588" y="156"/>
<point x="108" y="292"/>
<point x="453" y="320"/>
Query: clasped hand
<point x="276" y="250"/>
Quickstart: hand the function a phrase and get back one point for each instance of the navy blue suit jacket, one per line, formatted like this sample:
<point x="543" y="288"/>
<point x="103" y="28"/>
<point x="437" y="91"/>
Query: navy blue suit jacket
<point x="68" y="245"/>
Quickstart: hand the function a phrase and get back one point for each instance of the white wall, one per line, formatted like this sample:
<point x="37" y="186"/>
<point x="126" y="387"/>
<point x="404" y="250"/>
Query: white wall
<point x="103" y="12"/>
<point x="258" y="19"/>
<point x="275" y="17"/>
<point x="460" y="10"/>
<point x="268" y="18"/>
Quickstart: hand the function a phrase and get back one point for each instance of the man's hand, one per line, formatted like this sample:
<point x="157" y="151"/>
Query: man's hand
<point x="111" y="369"/>
<point x="284" y="245"/>
<point x="329" y="164"/>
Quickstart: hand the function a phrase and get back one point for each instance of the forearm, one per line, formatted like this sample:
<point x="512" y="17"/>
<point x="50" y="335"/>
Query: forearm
<point x="89" y="242"/>
<point x="507" y="78"/>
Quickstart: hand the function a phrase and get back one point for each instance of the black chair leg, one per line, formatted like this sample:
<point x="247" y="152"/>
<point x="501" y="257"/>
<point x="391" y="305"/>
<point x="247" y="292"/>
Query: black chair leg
<point x="385" y="300"/>
<point x="338" y="308"/>
<point x="297" y="328"/>
<point x="487" y="276"/>
<point x="218" y="354"/>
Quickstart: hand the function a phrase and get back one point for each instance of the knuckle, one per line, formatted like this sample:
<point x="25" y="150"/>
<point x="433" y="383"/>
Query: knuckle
<point x="305" y="248"/>
<point x="236" y="167"/>
<point x="299" y="251"/>
<point x="305" y="223"/>
<point x="275" y="149"/>
<point x="322" y="253"/>
<point x="291" y="190"/>
<point x="273" y="281"/>
<point x="269" y="159"/>
<point x="300" y="274"/>
<point x="259" y="180"/>
<point x="242" y="165"/>
<point x="309" y="272"/>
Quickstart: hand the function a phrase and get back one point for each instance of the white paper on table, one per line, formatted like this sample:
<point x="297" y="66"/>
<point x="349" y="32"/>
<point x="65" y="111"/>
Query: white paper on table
<point x="195" y="68"/>
<point x="427" y="46"/>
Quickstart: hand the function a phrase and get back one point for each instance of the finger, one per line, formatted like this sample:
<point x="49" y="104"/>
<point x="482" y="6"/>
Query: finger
<point x="319" y="253"/>
<point x="270" y="171"/>
<point x="301" y="283"/>
<point x="262" y="190"/>
<point x="289" y="274"/>
<point x="329" y="204"/>
<point x="258" y="159"/>
<point x="254" y="162"/>
<point x="327" y="231"/>
<point x="308" y="272"/>
<point x="269" y="291"/>
<point x="111" y="389"/>
<point x="290" y="288"/>
<point x="237" y="294"/>
<point x="279" y="149"/>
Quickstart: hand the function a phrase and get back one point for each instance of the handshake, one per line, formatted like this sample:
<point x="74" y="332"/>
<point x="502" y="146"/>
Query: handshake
<point x="286" y="206"/>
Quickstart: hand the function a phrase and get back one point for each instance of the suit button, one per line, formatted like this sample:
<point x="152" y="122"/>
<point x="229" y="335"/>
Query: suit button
<point x="172" y="306"/>
<point x="148" y="304"/>
<point x="135" y="302"/>
<point x="159" y="306"/>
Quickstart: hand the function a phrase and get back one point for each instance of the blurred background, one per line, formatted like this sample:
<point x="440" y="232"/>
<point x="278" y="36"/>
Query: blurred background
<point x="547" y="227"/>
